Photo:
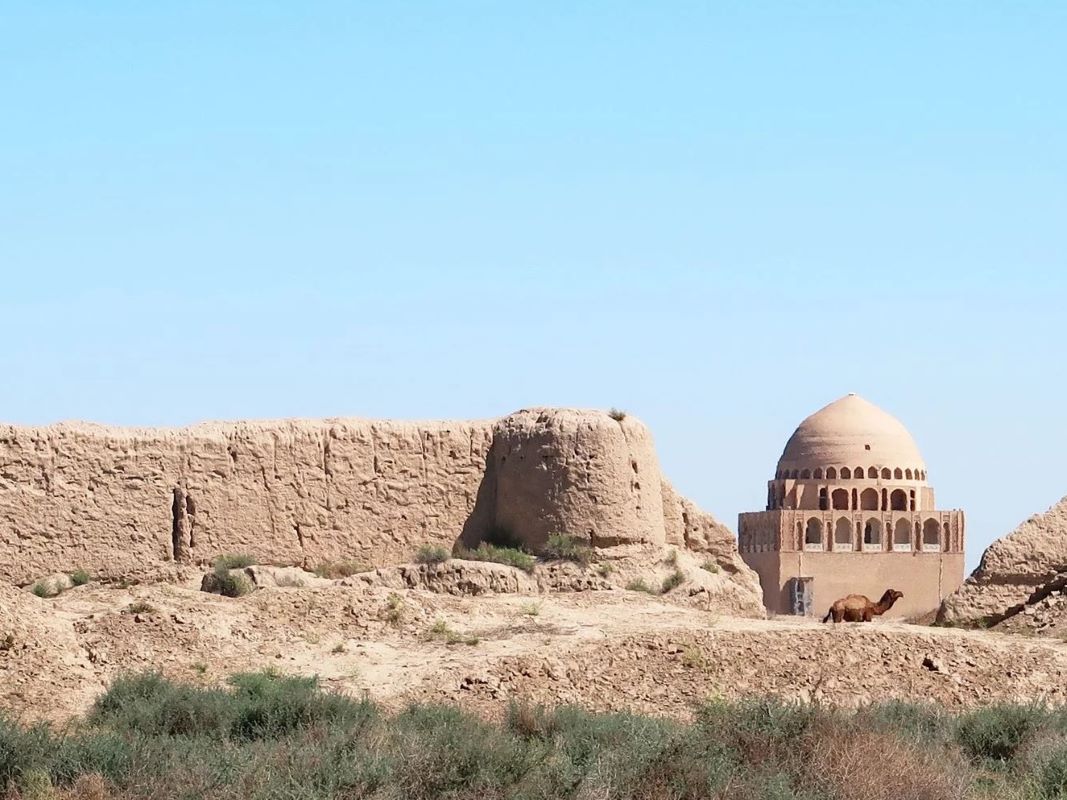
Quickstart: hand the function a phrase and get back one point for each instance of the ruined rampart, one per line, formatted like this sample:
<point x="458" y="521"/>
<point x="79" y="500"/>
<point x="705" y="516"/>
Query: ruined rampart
<point x="116" y="501"/>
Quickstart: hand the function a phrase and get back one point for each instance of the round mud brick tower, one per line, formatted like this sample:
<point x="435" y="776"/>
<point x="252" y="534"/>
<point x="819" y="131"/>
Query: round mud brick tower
<point x="578" y="473"/>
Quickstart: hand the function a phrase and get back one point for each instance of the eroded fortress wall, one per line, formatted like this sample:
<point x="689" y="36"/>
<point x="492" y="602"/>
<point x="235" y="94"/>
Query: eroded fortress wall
<point x="120" y="501"/>
<point x="114" y="500"/>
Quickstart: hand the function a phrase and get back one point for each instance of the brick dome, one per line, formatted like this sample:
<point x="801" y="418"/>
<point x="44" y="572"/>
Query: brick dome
<point x="851" y="432"/>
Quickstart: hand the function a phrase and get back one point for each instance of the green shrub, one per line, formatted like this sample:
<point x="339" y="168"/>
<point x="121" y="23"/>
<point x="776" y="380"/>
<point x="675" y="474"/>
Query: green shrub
<point x="233" y="561"/>
<point x="501" y="555"/>
<point x="271" y="736"/>
<point x="617" y="414"/>
<point x="440" y="630"/>
<point x="41" y="590"/>
<point x="672" y="581"/>
<point x="232" y="583"/>
<point x="432" y="554"/>
<point x="711" y="566"/>
<point x="1048" y="770"/>
<point x="995" y="733"/>
<point x="561" y="547"/>
<point x="80" y="577"/>
<point x="141" y="607"/>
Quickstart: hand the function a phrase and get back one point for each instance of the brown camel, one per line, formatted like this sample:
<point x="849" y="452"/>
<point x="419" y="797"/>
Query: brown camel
<point x="859" y="608"/>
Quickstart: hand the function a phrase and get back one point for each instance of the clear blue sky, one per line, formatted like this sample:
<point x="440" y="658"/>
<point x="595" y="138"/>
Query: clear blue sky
<point x="719" y="216"/>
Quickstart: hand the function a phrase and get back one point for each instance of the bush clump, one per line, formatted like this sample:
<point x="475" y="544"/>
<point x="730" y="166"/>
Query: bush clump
<point x="80" y="577"/>
<point x="513" y="557"/>
<point x="561" y="547"/>
<point x="233" y="561"/>
<point x="267" y="735"/>
<point x="432" y="554"/>
<point x="232" y="582"/>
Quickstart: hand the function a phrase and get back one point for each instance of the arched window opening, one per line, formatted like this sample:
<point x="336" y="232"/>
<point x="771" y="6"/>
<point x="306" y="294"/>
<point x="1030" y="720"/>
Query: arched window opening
<point x="823" y="501"/>
<point x="898" y="501"/>
<point x="855" y="499"/>
<point x="886" y="474"/>
<point x="872" y="534"/>
<point x="831" y="474"/>
<point x="885" y="499"/>
<point x="843" y="534"/>
<point x="872" y="472"/>
<point x="800" y="531"/>
<point x="840" y="499"/>
<point x="912" y="499"/>
<point x="907" y="474"/>
<point x="813" y="534"/>
<point x="846" y="474"/>
<point x="805" y="474"/>
<point x="857" y="473"/>
<point x="869" y="500"/>
<point x="902" y="535"/>
<point x="817" y="475"/>
<point x="931" y="535"/>
<point x="898" y="474"/>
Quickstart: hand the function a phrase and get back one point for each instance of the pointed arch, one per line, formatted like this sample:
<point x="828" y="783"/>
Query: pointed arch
<point x="839" y="499"/>
<point x="872" y="534"/>
<point x="931" y="535"/>
<point x="902" y="535"/>
<point x="898" y="501"/>
<point x="813" y="534"/>
<point x="843" y="534"/>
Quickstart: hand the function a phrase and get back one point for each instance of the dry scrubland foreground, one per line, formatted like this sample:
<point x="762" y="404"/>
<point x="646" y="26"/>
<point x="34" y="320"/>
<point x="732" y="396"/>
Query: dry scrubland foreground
<point x="266" y="736"/>
<point x="485" y="635"/>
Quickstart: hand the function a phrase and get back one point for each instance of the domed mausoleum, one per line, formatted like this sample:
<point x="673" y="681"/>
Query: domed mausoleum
<point x="849" y="511"/>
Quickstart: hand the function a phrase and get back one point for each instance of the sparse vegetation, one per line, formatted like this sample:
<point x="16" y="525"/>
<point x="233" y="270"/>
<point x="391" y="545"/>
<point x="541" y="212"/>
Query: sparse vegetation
<point x="432" y="554"/>
<point x="604" y="570"/>
<point x="80" y="577"/>
<point x="199" y="667"/>
<point x="273" y="736"/>
<point x="561" y="547"/>
<point x="711" y="566"/>
<point x="141" y="607"/>
<point x="639" y="585"/>
<point x="501" y="555"/>
<point x="617" y="414"/>
<point x="233" y="561"/>
<point x="42" y="590"/>
<point x="440" y="630"/>
<point x="394" y="609"/>
<point x="334" y="570"/>
<point x="531" y="609"/>
<point x="693" y="658"/>
<point x="338" y="648"/>
<point x="672" y="581"/>
<point x="232" y="582"/>
<point x="672" y="559"/>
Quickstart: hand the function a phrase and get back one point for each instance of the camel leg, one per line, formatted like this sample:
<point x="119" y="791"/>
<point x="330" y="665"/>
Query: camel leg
<point x="867" y="616"/>
<point x="839" y="615"/>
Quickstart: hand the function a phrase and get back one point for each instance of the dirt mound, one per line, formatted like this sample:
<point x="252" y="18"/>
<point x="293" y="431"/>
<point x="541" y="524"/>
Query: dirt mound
<point x="1013" y="570"/>
<point x="43" y="666"/>
<point x="605" y="649"/>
